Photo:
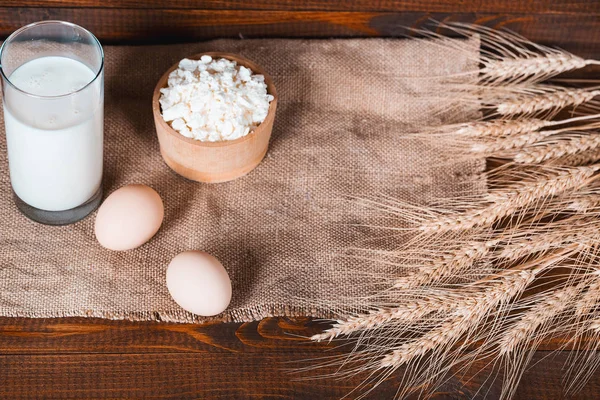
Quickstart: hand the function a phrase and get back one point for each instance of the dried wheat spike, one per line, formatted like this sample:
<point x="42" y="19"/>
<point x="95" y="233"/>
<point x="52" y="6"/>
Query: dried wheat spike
<point x="502" y="70"/>
<point x="585" y="203"/>
<point x="574" y="230"/>
<point x="584" y="158"/>
<point x="588" y="300"/>
<point x="469" y="314"/>
<point x="557" y="99"/>
<point x="472" y="310"/>
<point x="561" y="148"/>
<point x="410" y="310"/>
<point x="536" y="317"/>
<point x="446" y="266"/>
<point x="502" y="127"/>
<point x="510" y="58"/>
<point x="506" y="202"/>
<point x="513" y="142"/>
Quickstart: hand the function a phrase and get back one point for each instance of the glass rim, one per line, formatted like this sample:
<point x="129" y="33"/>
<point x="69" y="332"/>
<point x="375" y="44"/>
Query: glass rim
<point x="58" y="22"/>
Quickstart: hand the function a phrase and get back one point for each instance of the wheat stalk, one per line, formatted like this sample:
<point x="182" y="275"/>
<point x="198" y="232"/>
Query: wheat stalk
<point x="572" y="230"/>
<point x="540" y="314"/>
<point x="474" y="309"/>
<point x="446" y="266"/>
<point x="540" y="66"/>
<point x="501" y="128"/>
<point x="408" y="311"/>
<point x="512" y="58"/>
<point x="544" y="151"/>
<point x="555" y="100"/>
<point x="589" y="300"/>
<point x="468" y="315"/>
<point x="506" y="202"/>
<point x="513" y="142"/>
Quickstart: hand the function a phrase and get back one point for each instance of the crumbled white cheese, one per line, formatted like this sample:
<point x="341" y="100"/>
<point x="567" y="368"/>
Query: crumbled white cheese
<point x="214" y="100"/>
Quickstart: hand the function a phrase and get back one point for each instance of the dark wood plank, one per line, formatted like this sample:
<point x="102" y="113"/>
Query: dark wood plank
<point x="76" y="357"/>
<point x="233" y="375"/>
<point x="575" y="32"/>
<point x="72" y="356"/>
<point x="494" y="6"/>
<point x="76" y="335"/>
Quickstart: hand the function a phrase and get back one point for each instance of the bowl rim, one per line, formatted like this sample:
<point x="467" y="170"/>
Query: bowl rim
<point x="256" y="69"/>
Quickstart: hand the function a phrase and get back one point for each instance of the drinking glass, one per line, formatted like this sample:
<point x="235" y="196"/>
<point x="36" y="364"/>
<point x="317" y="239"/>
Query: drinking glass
<point x="53" y="100"/>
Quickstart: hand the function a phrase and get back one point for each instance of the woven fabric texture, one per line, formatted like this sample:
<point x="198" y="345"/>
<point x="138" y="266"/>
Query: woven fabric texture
<point x="280" y="231"/>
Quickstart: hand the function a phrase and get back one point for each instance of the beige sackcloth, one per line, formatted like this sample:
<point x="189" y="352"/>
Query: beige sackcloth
<point x="280" y="231"/>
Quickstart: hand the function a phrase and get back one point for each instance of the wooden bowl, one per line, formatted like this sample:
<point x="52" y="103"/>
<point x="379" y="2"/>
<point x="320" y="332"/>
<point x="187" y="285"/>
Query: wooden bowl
<point x="214" y="162"/>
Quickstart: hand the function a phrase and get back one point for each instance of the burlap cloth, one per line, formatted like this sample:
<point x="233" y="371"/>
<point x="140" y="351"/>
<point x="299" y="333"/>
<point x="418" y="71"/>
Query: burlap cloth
<point x="278" y="231"/>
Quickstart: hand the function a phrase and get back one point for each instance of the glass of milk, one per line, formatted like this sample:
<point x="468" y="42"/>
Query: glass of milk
<point x="53" y="99"/>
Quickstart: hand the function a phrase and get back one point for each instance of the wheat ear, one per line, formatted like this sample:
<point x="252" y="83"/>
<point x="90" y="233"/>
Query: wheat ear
<point x="512" y="142"/>
<point x="408" y="311"/>
<point x="561" y="148"/>
<point x="555" y="100"/>
<point x="468" y="315"/>
<point x="520" y="333"/>
<point x="506" y="202"/>
<point x="584" y="158"/>
<point x="512" y="58"/>
<point x="473" y="310"/>
<point x="500" y="145"/>
<point x="446" y="266"/>
<point x="534" y="318"/>
<point x="502" y="128"/>
<point x="555" y="235"/>
<point x="585" y="203"/>
<point x="539" y="66"/>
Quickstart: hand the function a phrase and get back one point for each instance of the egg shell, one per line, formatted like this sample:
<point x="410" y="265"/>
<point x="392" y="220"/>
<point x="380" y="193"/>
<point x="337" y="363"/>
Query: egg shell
<point x="198" y="282"/>
<point x="129" y="217"/>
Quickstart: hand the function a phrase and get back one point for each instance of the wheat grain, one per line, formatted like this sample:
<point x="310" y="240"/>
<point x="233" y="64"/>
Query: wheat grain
<point x="557" y="99"/>
<point x="506" y="202"/>
<point x="545" y="151"/>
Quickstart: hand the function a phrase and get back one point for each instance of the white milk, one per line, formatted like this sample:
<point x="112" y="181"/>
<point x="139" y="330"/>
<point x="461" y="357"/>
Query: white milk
<point x="54" y="143"/>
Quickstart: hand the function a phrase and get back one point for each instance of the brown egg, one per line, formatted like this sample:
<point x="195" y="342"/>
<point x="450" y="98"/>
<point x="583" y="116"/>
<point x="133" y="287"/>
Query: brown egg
<point x="129" y="217"/>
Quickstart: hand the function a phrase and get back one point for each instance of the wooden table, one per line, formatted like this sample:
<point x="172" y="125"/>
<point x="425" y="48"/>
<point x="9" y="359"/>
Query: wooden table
<point x="81" y="358"/>
<point x="95" y="358"/>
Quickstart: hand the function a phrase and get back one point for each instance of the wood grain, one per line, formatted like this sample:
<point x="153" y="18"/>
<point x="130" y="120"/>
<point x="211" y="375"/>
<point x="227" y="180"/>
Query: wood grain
<point x="77" y="357"/>
<point x="577" y="32"/>
<point x="496" y="6"/>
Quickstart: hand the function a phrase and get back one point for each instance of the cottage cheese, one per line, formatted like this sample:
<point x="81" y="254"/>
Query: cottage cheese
<point x="213" y="100"/>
